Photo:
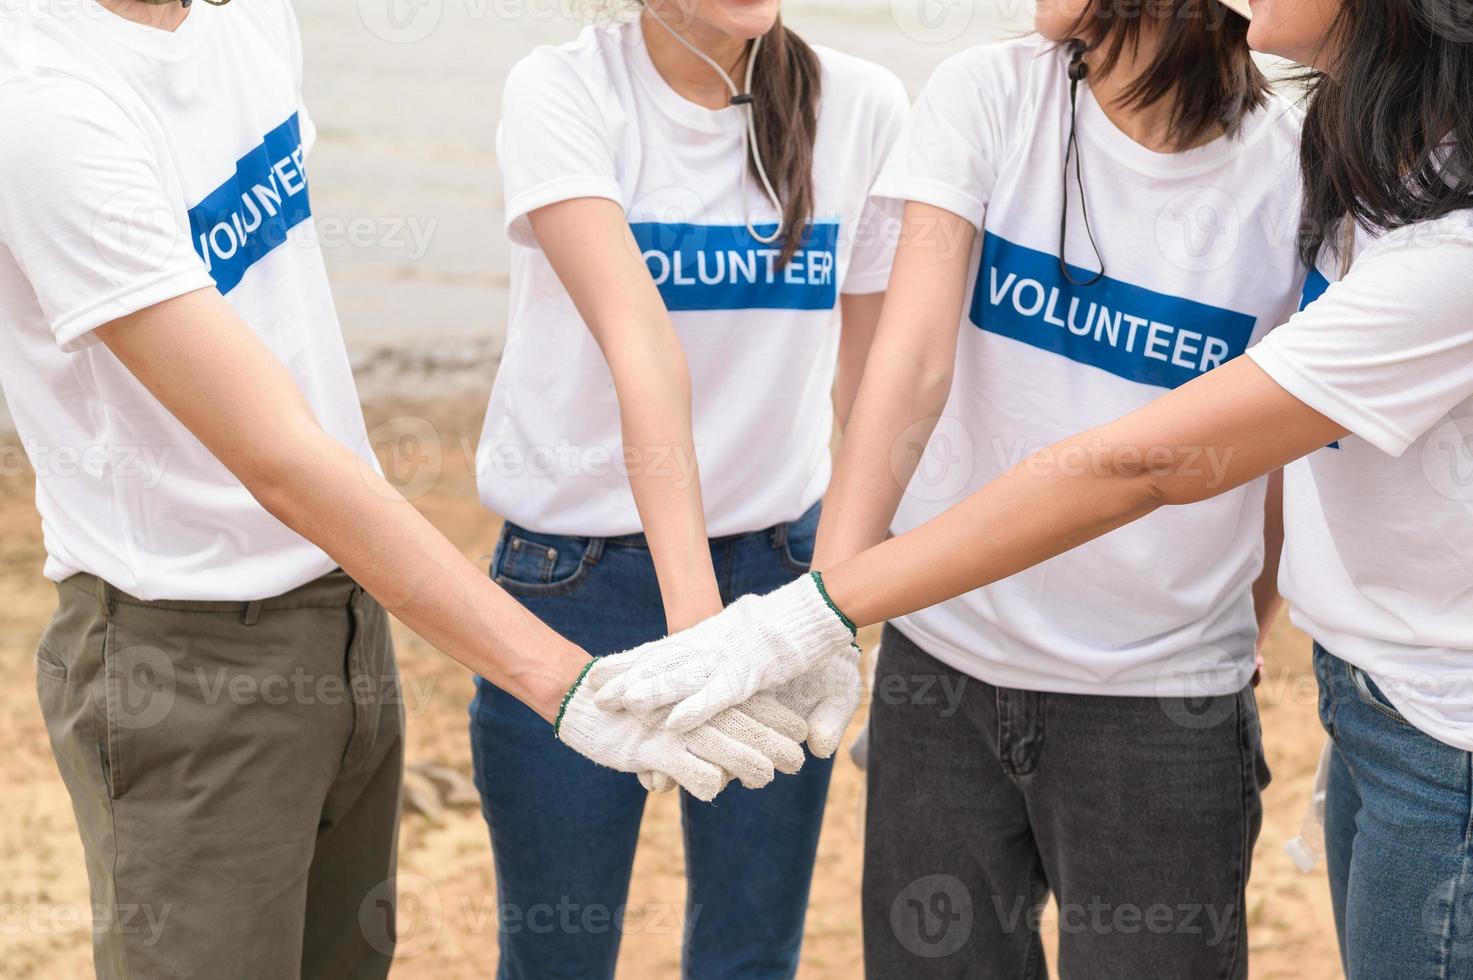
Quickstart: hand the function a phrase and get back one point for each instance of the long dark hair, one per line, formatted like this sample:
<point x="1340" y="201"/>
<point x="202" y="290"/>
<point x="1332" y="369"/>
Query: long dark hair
<point x="1203" y="66"/>
<point x="1388" y="138"/>
<point x="786" y="86"/>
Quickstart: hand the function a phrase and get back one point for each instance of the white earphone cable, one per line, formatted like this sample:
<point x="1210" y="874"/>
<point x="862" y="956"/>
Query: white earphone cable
<point x="743" y="100"/>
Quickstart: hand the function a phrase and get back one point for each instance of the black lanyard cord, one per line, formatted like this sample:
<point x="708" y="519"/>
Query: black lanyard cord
<point x="1078" y="71"/>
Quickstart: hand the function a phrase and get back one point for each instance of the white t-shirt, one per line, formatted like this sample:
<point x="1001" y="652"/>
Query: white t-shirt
<point x="1378" y="555"/>
<point x="1199" y="251"/>
<point x="594" y="118"/>
<point x="141" y="165"/>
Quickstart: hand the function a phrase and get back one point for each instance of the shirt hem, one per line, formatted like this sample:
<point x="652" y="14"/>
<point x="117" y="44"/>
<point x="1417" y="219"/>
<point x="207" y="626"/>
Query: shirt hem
<point x="1047" y="684"/>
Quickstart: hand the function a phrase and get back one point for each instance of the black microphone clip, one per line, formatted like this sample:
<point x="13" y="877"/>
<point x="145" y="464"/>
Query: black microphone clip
<point x="1078" y="69"/>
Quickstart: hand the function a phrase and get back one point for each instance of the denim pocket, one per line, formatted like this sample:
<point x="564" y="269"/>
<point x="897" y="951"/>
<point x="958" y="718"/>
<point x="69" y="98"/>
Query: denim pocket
<point x="795" y="542"/>
<point x="1370" y="694"/>
<point x="530" y="564"/>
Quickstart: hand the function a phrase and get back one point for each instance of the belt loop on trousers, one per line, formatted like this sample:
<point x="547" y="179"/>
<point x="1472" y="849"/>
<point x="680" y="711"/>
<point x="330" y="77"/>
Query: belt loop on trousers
<point x="251" y="614"/>
<point x="104" y="598"/>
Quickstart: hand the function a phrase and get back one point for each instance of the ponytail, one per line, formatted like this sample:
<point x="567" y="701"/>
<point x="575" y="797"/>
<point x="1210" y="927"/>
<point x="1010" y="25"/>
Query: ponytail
<point x="785" y="89"/>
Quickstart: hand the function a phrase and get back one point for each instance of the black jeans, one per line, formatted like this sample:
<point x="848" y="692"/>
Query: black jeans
<point x="1138" y="814"/>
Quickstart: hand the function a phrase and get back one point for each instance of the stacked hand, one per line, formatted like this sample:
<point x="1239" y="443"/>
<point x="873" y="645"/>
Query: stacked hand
<point x="733" y="695"/>
<point x="751" y="744"/>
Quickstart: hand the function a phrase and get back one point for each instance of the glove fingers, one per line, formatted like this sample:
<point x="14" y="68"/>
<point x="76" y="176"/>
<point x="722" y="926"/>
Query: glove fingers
<point x="840" y="692"/>
<point x="746" y="763"/>
<point x="768" y="710"/>
<point x="656" y="782"/>
<point x="696" y="776"/>
<point x="663" y="676"/>
<point x="647" y="690"/>
<point x="613" y="693"/>
<point x="784" y="754"/>
<point x="726" y="690"/>
<point x="827" y="724"/>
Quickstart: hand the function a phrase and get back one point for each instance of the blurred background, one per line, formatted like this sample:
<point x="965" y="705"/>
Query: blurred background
<point x="406" y="94"/>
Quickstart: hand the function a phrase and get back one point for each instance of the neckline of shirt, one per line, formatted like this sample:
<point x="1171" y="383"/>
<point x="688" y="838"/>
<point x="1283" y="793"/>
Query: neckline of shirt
<point x="1096" y="127"/>
<point x="153" y="41"/>
<point x="671" y="102"/>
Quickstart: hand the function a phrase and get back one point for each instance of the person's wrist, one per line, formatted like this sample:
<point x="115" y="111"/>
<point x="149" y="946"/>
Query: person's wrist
<point x="572" y="692"/>
<point x="840" y="590"/>
<point x="685" y="611"/>
<point x="823" y="592"/>
<point x="548" y="691"/>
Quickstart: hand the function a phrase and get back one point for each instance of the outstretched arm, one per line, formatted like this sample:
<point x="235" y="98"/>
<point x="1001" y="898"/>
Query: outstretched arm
<point x="209" y="369"/>
<point x="223" y="384"/>
<point x="905" y="383"/>
<point x="591" y="248"/>
<point x="1218" y="432"/>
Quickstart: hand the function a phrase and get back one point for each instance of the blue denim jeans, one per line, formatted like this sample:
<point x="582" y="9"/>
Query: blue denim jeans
<point x="563" y="830"/>
<point x="1398" y="814"/>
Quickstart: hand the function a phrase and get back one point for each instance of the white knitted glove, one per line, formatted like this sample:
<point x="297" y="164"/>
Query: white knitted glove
<point x="703" y="759"/>
<point x="766" y="715"/>
<point x="827" y="696"/>
<point x="756" y="644"/>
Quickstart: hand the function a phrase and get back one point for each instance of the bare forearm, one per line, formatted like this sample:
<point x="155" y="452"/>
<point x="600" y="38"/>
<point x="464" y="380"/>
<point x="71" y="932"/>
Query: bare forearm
<point x="326" y="494"/>
<point x="590" y="245"/>
<point x="1210" y="436"/>
<point x="655" y="416"/>
<point x="897" y="408"/>
<point x="905" y="383"/>
<point x="1015" y="522"/>
<point x="202" y="363"/>
<point x="860" y="319"/>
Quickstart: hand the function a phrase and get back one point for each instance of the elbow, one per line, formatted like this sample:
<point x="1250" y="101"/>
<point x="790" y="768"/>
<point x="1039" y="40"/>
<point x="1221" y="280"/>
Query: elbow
<point x="931" y="383"/>
<point x="276" y="471"/>
<point x="269" y="481"/>
<point x="1155" y="482"/>
<point x="656" y="365"/>
<point x="936" y="384"/>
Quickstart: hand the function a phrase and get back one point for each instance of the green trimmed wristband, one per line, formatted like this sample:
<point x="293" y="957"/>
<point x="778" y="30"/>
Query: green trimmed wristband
<point x="849" y="623"/>
<point x="563" y="708"/>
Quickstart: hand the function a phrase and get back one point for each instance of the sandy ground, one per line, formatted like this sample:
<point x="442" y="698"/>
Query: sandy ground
<point x="447" y="921"/>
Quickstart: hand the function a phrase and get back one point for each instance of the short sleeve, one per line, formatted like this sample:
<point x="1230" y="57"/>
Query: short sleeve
<point x="1387" y="351"/>
<point x="84" y="208"/>
<point x="879" y="222"/>
<point x="552" y="145"/>
<point x="949" y="148"/>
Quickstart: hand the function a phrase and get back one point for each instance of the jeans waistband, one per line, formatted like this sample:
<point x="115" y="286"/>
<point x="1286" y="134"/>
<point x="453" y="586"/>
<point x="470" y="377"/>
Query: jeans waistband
<point x="638" y="540"/>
